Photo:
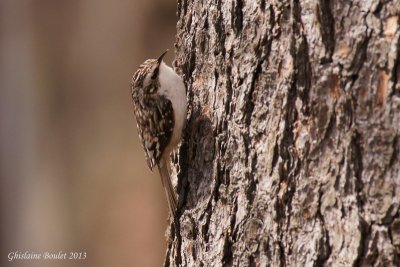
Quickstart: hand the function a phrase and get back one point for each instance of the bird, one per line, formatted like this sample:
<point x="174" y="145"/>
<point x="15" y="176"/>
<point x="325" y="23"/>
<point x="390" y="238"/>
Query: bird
<point x="160" y="107"/>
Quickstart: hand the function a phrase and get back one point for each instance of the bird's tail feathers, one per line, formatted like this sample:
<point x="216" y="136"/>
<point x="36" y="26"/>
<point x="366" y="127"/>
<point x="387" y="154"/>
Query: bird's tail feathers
<point x="168" y="187"/>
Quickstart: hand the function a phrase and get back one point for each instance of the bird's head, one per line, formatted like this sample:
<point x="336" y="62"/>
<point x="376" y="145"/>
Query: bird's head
<point x="146" y="76"/>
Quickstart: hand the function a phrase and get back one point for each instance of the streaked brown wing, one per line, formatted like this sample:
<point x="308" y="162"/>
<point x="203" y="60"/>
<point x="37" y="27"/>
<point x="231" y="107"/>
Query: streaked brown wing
<point x="155" y="122"/>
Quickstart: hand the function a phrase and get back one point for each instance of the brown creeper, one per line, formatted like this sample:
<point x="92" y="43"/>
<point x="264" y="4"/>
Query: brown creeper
<point x="159" y="104"/>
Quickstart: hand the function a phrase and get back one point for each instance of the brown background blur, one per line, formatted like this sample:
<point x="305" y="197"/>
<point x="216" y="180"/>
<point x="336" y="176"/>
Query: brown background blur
<point x="73" y="177"/>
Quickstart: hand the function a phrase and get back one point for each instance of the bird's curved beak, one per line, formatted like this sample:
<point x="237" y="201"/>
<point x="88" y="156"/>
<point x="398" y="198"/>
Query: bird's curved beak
<point x="160" y="58"/>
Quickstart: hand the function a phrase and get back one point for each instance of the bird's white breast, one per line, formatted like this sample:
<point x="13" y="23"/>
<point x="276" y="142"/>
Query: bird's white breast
<point x="172" y="86"/>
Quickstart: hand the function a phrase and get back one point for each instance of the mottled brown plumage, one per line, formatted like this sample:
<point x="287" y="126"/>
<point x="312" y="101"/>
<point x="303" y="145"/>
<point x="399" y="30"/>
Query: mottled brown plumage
<point x="156" y="103"/>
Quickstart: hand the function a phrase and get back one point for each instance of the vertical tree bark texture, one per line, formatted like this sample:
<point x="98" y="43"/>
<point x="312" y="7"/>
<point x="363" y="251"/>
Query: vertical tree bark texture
<point x="291" y="152"/>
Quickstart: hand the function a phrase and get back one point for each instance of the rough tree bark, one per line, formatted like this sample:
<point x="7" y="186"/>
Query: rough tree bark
<point x="291" y="152"/>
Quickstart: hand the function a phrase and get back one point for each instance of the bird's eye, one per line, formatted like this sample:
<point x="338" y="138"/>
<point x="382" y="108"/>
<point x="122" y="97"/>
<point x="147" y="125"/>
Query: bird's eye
<point x="155" y="74"/>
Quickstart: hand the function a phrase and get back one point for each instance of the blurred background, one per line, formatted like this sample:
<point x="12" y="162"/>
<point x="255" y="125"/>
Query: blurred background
<point x="73" y="177"/>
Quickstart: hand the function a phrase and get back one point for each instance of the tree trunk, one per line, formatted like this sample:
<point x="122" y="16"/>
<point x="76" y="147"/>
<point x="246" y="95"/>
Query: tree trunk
<point x="291" y="151"/>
